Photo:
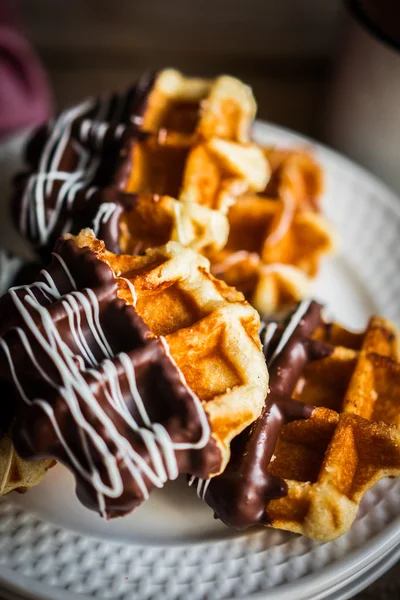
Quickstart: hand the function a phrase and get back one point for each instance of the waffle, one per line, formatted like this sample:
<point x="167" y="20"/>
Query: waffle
<point x="297" y="168"/>
<point x="66" y="162"/>
<point x="277" y="237"/>
<point x="194" y="143"/>
<point x="212" y="333"/>
<point x="306" y="469"/>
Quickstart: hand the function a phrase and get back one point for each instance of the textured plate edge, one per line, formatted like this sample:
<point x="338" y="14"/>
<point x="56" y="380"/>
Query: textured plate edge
<point x="359" y="584"/>
<point x="339" y="570"/>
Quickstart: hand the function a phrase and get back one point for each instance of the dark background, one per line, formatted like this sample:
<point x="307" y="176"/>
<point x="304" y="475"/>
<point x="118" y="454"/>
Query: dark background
<point x="282" y="48"/>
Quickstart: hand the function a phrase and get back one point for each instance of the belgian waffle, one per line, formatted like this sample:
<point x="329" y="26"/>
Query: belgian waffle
<point x="211" y="331"/>
<point x="94" y="388"/>
<point x="328" y="432"/>
<point x="75" y="172"/>
<point x="277" y="237"/>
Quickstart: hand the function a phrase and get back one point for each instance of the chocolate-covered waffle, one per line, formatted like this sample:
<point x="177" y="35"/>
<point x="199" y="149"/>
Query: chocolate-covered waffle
<point x="328" y="432"/>
<point x="277" y="237"/>
<point x="75" y="177"/>
<point x="211" y="331"/>
<point x="97" y="389"/>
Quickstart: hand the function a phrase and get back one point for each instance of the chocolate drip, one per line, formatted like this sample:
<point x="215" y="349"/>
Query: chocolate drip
<point x="239" y="496"/>
<point x="72" y="355"/>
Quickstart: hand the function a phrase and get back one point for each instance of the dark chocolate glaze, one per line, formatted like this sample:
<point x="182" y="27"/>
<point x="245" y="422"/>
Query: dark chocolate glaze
<point x="240" y="495"/>
<point x="167" y="399"/>
<point x="98" y="130"/>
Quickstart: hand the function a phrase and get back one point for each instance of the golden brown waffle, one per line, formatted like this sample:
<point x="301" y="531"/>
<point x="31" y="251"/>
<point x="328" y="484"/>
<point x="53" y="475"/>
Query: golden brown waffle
<point x="223" y="107"/>
<point x="351" y="441"/>
<point x="18" y="474"/>
<point x="217" y="172"/>
<point x="212" y="332"/>
<point x="277" y="237"/>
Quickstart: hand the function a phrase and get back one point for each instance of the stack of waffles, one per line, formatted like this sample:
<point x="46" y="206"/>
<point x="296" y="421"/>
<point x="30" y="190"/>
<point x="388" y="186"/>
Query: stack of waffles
<point x="138" y="354"/>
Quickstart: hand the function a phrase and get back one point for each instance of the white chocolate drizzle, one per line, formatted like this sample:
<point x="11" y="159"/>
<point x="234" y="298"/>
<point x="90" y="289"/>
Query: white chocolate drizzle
<point x="36" y="216"/>
<point x="201" y="486"/>
<point x="71" y="384"/>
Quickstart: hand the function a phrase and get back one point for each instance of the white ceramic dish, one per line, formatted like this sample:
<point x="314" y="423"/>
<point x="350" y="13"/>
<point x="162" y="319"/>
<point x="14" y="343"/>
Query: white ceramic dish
<point x="171" y="548"/>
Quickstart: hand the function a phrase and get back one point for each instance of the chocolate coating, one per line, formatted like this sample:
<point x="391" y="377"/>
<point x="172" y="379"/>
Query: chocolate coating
<point x="72" y="355"/>
<point x="240" y="495"/>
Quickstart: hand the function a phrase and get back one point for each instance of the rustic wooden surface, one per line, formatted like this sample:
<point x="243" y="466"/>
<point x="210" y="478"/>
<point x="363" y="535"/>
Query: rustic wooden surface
<point x="284" y="49"/>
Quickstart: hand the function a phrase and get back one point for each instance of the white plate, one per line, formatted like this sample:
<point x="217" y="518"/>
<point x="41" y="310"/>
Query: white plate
<point x="172" y="548"/>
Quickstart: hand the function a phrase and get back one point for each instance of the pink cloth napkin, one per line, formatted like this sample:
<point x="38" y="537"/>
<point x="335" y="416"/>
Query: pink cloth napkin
<point x="25" y="97"/>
